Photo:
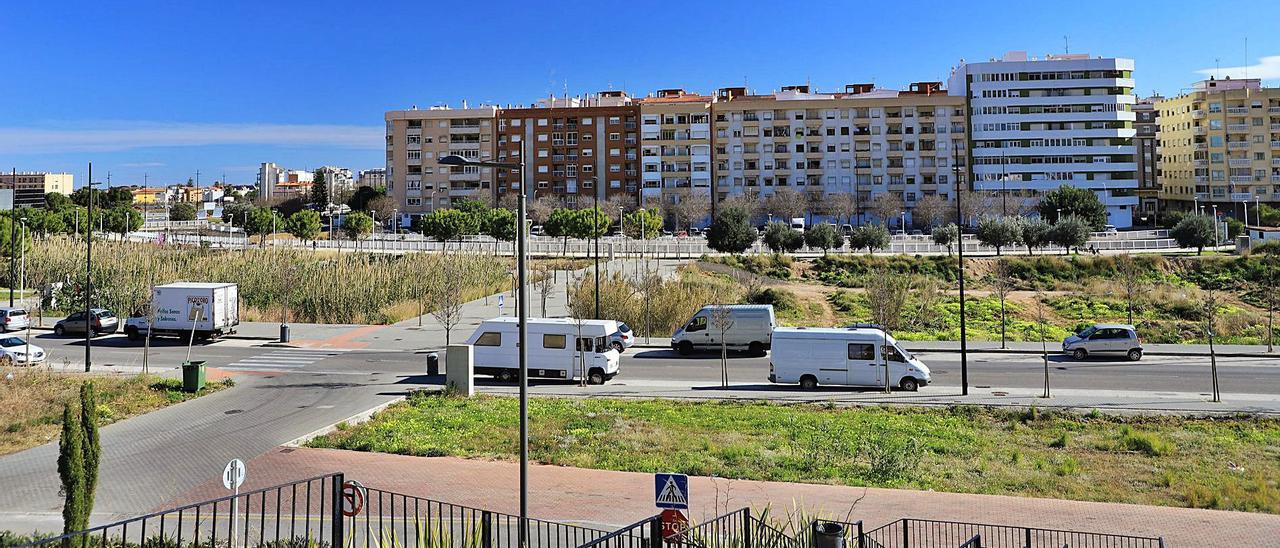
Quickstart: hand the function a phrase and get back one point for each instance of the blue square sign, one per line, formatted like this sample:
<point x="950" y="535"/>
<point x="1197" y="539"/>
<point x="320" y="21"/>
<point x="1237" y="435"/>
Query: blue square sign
<point x="671" y="491"/>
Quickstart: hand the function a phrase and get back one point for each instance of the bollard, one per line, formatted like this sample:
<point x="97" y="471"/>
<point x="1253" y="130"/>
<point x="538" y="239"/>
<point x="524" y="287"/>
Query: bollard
<point x="433" y="364"/>
<point x="284" y="332"/>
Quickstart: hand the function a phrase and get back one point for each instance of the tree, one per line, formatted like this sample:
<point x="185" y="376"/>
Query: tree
<point x="1081" y="203"/>
<point x="643" y="224"/>
<point x="71" y="473"/>
<point x="1196" y="231"/>
<point x="383" y="208"/>
<point x="1130" y="280"/>
<point x="362" y="196"/>
<point x="1001" y="281"/>
<point x="946" y="236"/>
<point x="815" y="204"/>
<point x="722" y="321"/>
<point x="1036" y="233"/>
<point x="843" y="206"/>
<point x="446" y="293"/>
<point x="123" y="220"/>
<point x="1069" y="232"/>
<point x="57" y="201"/>
<point x="233" y="214"/>
<point x="262" y="221"/>
<point x="590" y="223"/>
<point x="540" y="209"/>
<point x="886" y="206"/>
<point x="500" y="224"/>
<point x="183" y="211"/>
<point x="689" y="207"/>
<point x="871" y="237"/>
<point x="785" y="204"/>
<point x="823" y="236"/>
<point x="999" y="232"/>
<point x="1209" y="313"/>
<point x="779" y="237"/>
<point x="930" y="211"/>
<point x="91" y="441"/>
<point x="320" y="190"/>
<point x="357" y="225"/>
<point x="445" y="224"/>
<point x="730" y="230"/>
<point x="473" y="207"/>
<point x="304" y="225"/>
<point x="886" y="294"/>
<point x="559" y="224"/>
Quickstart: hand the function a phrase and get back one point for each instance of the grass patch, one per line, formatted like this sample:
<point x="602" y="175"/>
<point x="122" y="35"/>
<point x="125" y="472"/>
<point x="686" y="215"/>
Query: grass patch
<point x="1182" y="462"/>
<point x="32" y="401"/>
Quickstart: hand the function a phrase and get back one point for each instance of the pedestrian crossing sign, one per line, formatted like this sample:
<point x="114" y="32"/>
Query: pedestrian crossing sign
<point x="671" y="491"/>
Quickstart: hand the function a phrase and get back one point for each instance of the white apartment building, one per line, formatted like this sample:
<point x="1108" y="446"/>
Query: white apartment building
<point x="337" y="180"/>
<point x="372" y="178"/>
<point x="417" y="139"/>
<point x="1038" y="124"/>
<point x="675" y="146"/>
<point x="864" y="140"/>
<point x="269" y="176"/>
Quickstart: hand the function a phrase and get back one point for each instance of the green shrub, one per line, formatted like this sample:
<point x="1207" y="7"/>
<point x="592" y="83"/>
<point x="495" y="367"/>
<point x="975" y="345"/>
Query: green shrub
<point x="1147" y="443"/>
<point x="781" y="299"/>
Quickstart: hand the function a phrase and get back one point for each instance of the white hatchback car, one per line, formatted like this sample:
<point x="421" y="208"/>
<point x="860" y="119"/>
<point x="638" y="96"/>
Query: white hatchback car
<point x="16" y="350"/>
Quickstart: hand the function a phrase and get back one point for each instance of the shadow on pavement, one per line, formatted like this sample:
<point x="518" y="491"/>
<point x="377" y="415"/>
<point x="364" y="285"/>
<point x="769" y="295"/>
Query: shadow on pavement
<point x="120" y="341"/>
<point x="696" y="355"/>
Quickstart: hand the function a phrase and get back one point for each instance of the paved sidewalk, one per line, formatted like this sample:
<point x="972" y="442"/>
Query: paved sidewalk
<point x="1055" y="348"/>
<point x="619" y="498"/>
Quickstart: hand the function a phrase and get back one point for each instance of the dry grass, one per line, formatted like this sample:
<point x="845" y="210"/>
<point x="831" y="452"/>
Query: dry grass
<point x="32" y="401"/>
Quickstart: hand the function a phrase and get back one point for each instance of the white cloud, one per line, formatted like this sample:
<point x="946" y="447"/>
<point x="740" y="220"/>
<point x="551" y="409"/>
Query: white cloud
<point x="143" y="164"/>
<point x="1268" y="68"/>
<point x="118" y="136"/>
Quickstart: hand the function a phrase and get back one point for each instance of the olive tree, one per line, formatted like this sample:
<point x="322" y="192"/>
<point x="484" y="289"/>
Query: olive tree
<point x="824" y="236"/>
<point x="999" y="232"/>
<point x="946" y="236"/>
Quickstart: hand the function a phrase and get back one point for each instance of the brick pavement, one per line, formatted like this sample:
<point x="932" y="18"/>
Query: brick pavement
<point x="618" y="498"/>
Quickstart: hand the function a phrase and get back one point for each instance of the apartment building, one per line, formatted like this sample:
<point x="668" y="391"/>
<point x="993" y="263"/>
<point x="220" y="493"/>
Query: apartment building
<point x="1147" y="148"/>
<point x="675" y="146"/>
<point x="417" y="139"/>
<point x="1037" y="124"/>
<point x="269" y="176"/>
<point x="337" y="180"/>
<point x="29" y="187"/>
<point x="578" y="149"/>
<point x="863" y="140"/>
<point x="1220" y="145"/>
<point x="372" y="178"/>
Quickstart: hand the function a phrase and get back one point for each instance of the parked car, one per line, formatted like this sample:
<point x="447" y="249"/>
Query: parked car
<point x="13" y="319"/>
<point x="751" y="329"/>
<point x="1104" y="338"/>
<point x="17" y="350"/>
<point x="831" y="356"/>
<point x="103" y="322"/>
<point x="623" y="338"/>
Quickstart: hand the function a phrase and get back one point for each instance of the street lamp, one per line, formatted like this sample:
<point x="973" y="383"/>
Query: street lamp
<point x="904" y="224"/>
<point x="964" y="348"/>
<point x="88" y="277"/>
<point x="522" y="322"/>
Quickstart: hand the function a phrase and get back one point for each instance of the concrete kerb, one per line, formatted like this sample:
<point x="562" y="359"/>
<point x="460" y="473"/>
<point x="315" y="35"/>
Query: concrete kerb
<point x="352" y="420"/>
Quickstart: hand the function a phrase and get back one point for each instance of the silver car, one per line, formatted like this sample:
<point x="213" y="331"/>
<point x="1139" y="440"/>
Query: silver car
<point x="623" y="338"/>
<point x="13" y="318"/>
<point x="1104" y="338"/>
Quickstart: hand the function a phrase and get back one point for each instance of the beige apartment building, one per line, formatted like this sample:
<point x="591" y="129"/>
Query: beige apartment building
<point x="1146" y="146"/>
<point x="862" y="141"/>
<point x="1220" y="145"/>
<point x="417" y="139"/>
<point x="29" y="187"/>
<point x="675" y="147"/>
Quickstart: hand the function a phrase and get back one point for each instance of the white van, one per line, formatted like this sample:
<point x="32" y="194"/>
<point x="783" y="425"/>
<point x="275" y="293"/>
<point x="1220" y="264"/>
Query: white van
<point x="813" y="356"/>
<point x="752" y="330"/>
<point x="556" y="350"/>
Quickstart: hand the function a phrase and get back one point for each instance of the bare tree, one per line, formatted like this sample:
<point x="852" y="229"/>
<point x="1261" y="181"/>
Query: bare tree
<point x="690" y="206"/>
<point x="1209" y="314"/>
<point x="1044" y="348"/>
<point x="816" y="204"/>
<point x="539" y="209"/>
<point x="1130" y="280"/>
<point x="930" y="211"/>
<point x="785" y="203"/>
<point x="447" y="299"/>
<point x="1002" y="284"/>
<point x="843" y="206"/>
<point x="544" y="284"/>
<point x="974" y="205"/>
<point x="886" y="206"/>
<point x="1270" y="294"/>
<point x="722" y="321"/>
<point x="886" y="297"/>
<point x="615" y="205"/>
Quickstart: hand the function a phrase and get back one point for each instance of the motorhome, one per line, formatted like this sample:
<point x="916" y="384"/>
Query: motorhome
<point x="559" y="348"/>
<point x="750" y="328"/>
<point x="858" y="356"/>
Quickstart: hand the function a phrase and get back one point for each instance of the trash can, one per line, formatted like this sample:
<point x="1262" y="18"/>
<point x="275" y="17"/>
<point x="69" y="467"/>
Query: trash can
<point x="193" y="375"/>
<point x="284" y="332"/>
<point x="433" y="364"/>
<point x="828" y="534"/>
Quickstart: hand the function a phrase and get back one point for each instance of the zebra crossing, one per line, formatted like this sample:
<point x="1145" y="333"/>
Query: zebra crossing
<point x="284" y="360"/>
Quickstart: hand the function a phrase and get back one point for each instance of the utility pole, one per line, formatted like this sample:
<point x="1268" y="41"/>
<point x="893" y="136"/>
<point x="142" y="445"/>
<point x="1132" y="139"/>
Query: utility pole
<point x="88" y="280"/>
<point x="13" y="234"/>
<point x="595" y="229"/>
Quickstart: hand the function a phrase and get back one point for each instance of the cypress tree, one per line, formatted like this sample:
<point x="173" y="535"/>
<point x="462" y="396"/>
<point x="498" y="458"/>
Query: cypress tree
<point x="92" y="444"/>
<point x="71" y="473"/>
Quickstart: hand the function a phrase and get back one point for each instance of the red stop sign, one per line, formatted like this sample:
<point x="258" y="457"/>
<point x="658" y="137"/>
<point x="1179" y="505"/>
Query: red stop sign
<point x="674" y="525"/>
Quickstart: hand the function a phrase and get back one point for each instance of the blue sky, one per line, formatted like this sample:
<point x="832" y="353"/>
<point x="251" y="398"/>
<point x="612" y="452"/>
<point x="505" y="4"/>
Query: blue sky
<point x="169" y="88"/>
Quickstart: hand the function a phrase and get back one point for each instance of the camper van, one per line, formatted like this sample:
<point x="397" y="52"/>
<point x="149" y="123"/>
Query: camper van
<point x="559" y="348"/>
<point x="751" y="329"/>
<point x="813" y="356"/>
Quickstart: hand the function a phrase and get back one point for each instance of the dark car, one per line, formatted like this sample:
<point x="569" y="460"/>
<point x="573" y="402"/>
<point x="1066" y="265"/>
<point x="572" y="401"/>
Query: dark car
<point x="101" y="321"/>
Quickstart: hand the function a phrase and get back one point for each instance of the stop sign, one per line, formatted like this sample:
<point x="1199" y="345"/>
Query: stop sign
<point x="674" y="525"/>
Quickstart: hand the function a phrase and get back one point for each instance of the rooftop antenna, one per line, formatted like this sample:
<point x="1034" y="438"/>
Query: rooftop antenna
<point x="1066" y="44"/>
<point x="1217" y="68"/>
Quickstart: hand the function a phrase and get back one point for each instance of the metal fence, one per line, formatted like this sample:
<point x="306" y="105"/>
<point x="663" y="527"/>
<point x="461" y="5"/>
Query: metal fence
<point x="737" y="529"/>
<point x="309" y="514"/>
<point x="923" y="533"/>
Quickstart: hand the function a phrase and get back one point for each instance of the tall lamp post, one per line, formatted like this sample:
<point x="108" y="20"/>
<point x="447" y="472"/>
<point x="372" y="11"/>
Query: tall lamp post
<point x="88" y="278"/>
<point x="964" y="349"/>
<point x="523" y="315"/>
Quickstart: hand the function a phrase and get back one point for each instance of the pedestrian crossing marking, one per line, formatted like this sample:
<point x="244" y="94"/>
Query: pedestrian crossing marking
<point x="283" y="359"/>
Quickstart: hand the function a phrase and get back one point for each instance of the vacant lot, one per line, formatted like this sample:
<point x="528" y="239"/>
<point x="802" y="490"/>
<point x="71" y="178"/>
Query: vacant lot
<point x="1212" y="463"/>
<point x="32" y="401"/>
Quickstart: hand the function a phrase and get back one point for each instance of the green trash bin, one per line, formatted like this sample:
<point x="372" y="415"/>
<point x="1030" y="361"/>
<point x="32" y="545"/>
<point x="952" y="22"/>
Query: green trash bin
<point x="193" y="375"/>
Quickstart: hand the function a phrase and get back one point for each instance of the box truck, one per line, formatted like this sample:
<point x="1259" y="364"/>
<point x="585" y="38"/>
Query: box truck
<point x="183" y="309"/>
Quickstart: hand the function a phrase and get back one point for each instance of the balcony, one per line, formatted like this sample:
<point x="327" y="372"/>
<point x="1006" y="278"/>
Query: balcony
<point x="1200" y="163"/>
<point x="1202" y="146"/>
<point x="1275" y="127"/>
<point x="1237" y="145"/>
<point x="1275" y="144"/>
<point x="1197" y="114"/>
<point x="1239" y="162"/>
<point x="1237" y="127"/>
<point x="1202" y="196"/>
<point x="1273" y="110"/>
<point x="1241" y="179"/>
<point x="1199" y="130"/>
<point x="1202" y="178"/>
<point x="1238" y="110"/>
<point x="1275" y="178"/>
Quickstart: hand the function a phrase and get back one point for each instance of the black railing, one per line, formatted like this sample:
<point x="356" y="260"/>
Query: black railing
<point x="923" y="533"/>
<point x="737" y="529"/>
<point x="301" y="511"/>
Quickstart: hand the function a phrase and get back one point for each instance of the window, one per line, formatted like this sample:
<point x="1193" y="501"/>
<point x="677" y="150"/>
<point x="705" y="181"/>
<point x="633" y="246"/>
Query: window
<point x="554" y="341"/>
<point x="614" y="136"/>
<point x="892" y="354"/>
<point x="859" y="351"/>
<point x="489" y="338"/>
<point x="697" y="324"/>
